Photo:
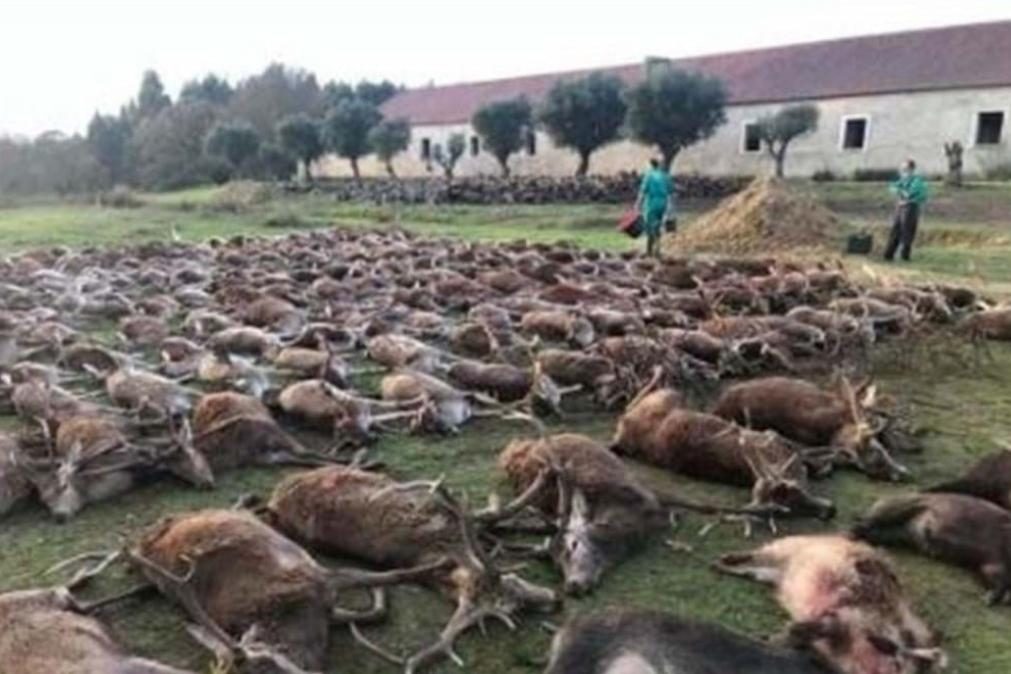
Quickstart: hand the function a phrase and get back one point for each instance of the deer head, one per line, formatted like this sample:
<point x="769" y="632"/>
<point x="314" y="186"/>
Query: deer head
<point x="856" y="442"/>
<point x="785" y="485"/>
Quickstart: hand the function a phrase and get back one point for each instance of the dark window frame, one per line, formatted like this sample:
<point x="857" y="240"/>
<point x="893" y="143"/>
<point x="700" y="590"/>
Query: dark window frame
<point x="747" y="147"/>
<point x="475" y="146"/>
<point x="990" y="127"/>
<point x="847" y="139"/>
<point x="426" y="148"/>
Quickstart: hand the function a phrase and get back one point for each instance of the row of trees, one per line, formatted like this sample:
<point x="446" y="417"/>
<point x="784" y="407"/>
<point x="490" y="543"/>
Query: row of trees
<point x="260" y="127"/>
<point x="269" y="124"/>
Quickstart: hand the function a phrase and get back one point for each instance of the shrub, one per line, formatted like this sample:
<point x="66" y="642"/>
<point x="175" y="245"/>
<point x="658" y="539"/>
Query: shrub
<point x="823" y="176"/>
<point x="119" y="197"/>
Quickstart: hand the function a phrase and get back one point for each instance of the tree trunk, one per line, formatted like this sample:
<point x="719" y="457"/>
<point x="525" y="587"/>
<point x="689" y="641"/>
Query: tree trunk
<point x="389" y="168"/>
<point x="354" y="169"/>
<point x="504" y="163"/>
<point x="780" y="163"/>
<point x="584" y="164"/>
<point x="307" y="163"/>
<point x="668" y="158"/>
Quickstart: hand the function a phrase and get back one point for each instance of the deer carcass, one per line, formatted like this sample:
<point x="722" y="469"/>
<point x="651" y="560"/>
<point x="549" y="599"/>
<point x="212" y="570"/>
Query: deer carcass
<point x="801" y="411"/>
<point x="989" y="479"/>
<point x="989" y="324"/>
<point x="141" y="391"/>
<point x="711" y="448"/>
<point x="845" y="603"/>
<point x="44" y="632"/>
<point x="15" y="486"/>
<point x="252" y="593"/>
<point x="367" y="516"/>
<point x="558" y="326"/>
<point x="956" y="528"/>
<point x="633" y="641"/>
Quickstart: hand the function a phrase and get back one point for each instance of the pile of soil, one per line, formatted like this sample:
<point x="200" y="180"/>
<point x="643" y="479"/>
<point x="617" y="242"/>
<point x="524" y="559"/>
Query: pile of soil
<point x="769" y="216"/>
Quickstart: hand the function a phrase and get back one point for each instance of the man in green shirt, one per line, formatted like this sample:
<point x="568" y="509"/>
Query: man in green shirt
<point x="656" y="204"/>
<point x="911" y="189"/>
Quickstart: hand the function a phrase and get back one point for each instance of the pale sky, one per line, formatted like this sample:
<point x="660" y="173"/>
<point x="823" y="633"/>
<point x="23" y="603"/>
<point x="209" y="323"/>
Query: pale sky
<point x="61" y="61"/>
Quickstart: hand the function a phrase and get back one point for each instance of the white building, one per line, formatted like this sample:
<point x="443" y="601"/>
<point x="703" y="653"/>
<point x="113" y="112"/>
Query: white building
<point x="882" y="98"/>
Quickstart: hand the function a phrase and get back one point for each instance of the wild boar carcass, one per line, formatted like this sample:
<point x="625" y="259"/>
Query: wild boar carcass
<point x="845" y="603"/>
<point x="253" y="594"/>
<point x="44" y="632"/>
<point x="802" y="411"/>
<point x="633" y="641"/>
<point x="956" y="528"/>
<point x="988" y="479"/>
<point x="367" y="516"/>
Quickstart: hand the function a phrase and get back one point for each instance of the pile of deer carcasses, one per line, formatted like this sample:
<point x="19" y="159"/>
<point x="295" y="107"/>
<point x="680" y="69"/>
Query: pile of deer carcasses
<point x="182" y="362"/>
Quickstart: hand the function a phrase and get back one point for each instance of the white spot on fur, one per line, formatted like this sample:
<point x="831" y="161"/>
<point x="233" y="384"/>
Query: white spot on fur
<point x="631" y="663"/>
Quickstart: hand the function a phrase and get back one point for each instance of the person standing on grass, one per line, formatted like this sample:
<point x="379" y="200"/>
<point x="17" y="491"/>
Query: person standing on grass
<point x="656" y="204"/>
<point x="911" y="189"/>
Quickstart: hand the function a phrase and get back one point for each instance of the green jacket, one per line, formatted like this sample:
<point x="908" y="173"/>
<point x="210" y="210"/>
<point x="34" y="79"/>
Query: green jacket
<point x="911" y="188"/>
<point x="657" y="187"/>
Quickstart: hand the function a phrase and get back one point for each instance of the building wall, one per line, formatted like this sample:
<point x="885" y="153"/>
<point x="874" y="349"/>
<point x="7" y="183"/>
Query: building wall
<point x="899" y="126"/>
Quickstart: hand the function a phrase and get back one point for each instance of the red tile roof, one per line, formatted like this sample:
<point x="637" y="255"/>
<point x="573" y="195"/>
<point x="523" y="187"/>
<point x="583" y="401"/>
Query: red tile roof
<point x="956" y="57"/>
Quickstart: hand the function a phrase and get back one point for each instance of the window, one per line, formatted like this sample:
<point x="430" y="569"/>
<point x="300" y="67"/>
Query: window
<point x="531" y="143"/>
<point x="426" y="148"/>
<point x="475" y="146"/>
<point x="752" y="141"/>
<point x="854" y="133"/>
<point x="989" y="128"/>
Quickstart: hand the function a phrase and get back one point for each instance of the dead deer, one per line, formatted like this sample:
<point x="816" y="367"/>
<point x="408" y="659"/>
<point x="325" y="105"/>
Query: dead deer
<point x="143" y="331"/>
<point x="600" y="510"/>
<point x="349" y="417"/>
<point x="255" y="597"/>
<point x="558" y="326"/>
<point x="711" y="448"/>
<point x="45" y="632"/>
<point x="633" y="641"/>
<point x="802" y="411"/>
<point x="989" y="324"/>
<point x="145" y="392"/>
<point x="232" y="430"/>
<point x="955" y="528"/>
<point x="275" y="313"/>
<point x="845" y="603"/>
<point x="245" y="340"/>
<point x="473" y="339"/>
<point x="15" y="487"/>
<point x="348" y="512"/>
<point x="399" y="351"/>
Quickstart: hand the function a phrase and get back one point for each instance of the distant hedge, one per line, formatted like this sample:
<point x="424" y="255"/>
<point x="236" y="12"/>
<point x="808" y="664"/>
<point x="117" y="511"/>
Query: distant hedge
<point x="617" y="189"/>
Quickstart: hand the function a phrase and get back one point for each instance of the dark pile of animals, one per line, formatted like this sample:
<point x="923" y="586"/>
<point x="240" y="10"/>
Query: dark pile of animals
<point x="619" y="188"/>
<point x="223" y="347"/>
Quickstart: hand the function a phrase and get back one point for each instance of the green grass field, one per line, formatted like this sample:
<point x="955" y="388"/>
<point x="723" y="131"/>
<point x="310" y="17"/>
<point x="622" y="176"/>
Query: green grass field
<point x="962" y="407"/>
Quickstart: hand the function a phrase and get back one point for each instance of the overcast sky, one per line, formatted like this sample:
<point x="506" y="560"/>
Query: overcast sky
<point x="61" y="61"/>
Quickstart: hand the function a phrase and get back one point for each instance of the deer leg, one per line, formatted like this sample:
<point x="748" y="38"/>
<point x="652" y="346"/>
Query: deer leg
<point x="375" y="613"/>
<point x="751" y="565"/>
<point x="530" y="494"/>
<point x="349" y="578"/>
<point x="87" y="573"/>
<point x="88" y="608"/>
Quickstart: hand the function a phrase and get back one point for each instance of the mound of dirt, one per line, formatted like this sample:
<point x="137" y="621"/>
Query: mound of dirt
<point x="769" y="216"/>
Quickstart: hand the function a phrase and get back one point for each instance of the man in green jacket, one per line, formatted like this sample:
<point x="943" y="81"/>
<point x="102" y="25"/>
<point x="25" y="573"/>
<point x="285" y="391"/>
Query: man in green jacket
<point x="911" y="189"/>
<point x="656" y="204"/>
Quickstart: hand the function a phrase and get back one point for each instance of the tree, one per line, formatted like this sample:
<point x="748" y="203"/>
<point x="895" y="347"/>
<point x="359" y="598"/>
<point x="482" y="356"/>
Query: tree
<point x="276" y="162"/>
<point x="151" y="99"/>
<point x="376" y="93"/>
<point x="264" y="100"/>
<point x="503" y="127"/>
<point x="389" y="138"/>
<point x="673" y="109"/>
<point x="300" y="137"/>
<point x="212" y="89"/>
<point x="235" y="142"/>
<point x="108" y="140"/>
<point x="346" y="130"/>
<point x="168" y="150"/>
<point x="584" y="114"/>
<point x="455" y="147"/>
<point x="778" y="130"/>
<point x="335" y="92"/>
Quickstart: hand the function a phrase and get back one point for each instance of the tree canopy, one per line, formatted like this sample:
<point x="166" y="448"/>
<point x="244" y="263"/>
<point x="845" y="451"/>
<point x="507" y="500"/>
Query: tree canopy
<point x="503" y="127"/>
<point x="109" y="140"/>
<point x="299" y="136"/>
<point x="211" y="89"/>
<point x="151" y="99"/>
<point x="778" y="130"/>
<point x="235" y="142"/>
<point x="276" y="162"/>
<point x="264" y="100"/>
<point x="673" y="109"/>
<point x="346" y="130"/>
<point x="388" y="139"/>
<point x="584" y="114"/>
<point x="447" y="159"/>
